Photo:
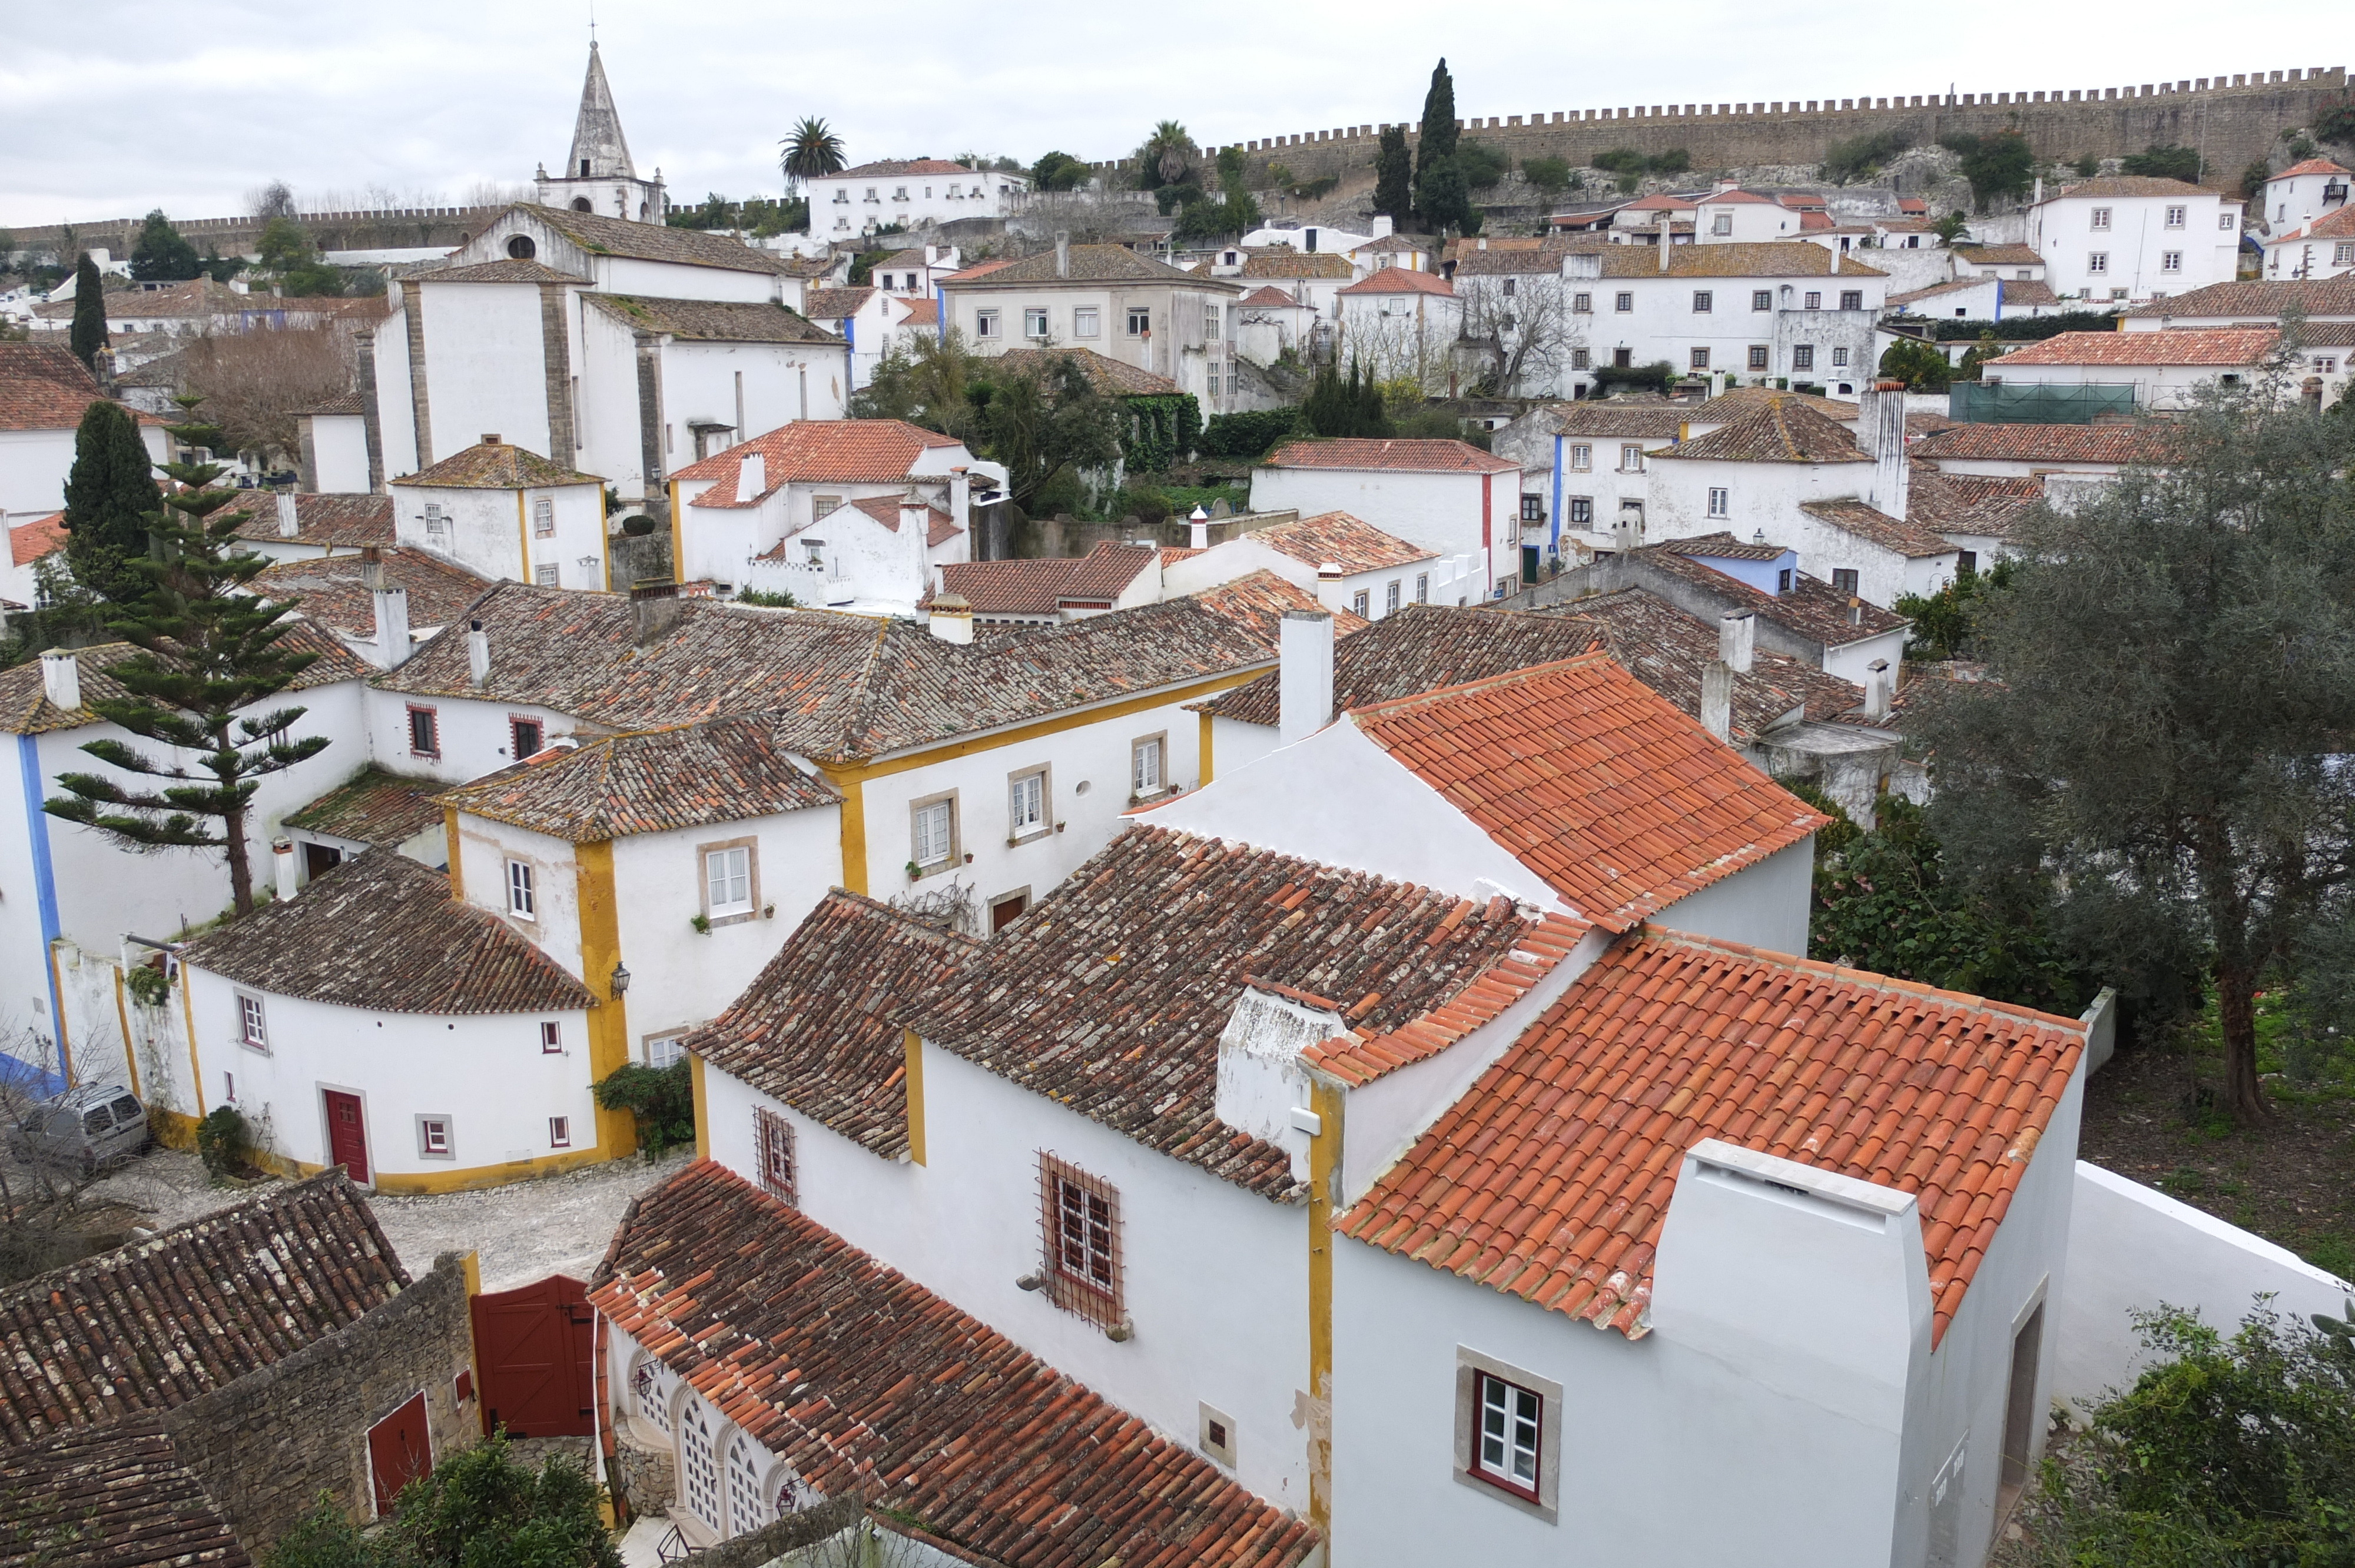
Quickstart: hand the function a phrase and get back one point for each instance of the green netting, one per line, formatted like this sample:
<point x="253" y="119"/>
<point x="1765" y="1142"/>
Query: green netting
<point x="1978" y="403"/>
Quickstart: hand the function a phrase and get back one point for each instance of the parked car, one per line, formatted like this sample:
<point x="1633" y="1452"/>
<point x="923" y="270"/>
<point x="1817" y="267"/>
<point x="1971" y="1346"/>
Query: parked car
<point x="93" y="1126"/>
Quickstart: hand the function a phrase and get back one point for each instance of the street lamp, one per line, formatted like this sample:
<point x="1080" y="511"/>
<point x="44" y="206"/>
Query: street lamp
<point x="621" y="980"/>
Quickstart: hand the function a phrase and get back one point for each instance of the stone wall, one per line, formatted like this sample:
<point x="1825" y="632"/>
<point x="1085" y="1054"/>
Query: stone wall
<point x="268" y="1445"/>
<point x="436" y="227"/>
<point x="2235" y="120"/>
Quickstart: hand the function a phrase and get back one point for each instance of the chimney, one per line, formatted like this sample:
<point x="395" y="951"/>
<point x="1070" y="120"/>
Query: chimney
<point x="1879" y="691"/>
<point x="1062" y="254"/>
<point x="1737" y="640"/>
<point x="371" y="567"/>
<point x="1666" y="236"/>
<point x="655" y="607"/>
<point x="491" y="440"/>
<point x="478" y="654"/>
<point x="951" y="619"/>
<point x="961" y="508"/>
<point x="1625" y="530"/>
<point x="1383" y="226"/>
<point x="61" y="678"/>
<point x="281" y="862"/>
<point x="392" y="604"/>
<point x="1855" y="611"/>
<point x="1328" y="585"/>
<point x="1717" y="700"/>
<point x="1883" y="412"/>
<point x="1304" y="675"/>
<point x="2038" y="199"/>
<point x="751" y="477"/>
<point x="289" y="523"/>
<point x="1197" y="530"/>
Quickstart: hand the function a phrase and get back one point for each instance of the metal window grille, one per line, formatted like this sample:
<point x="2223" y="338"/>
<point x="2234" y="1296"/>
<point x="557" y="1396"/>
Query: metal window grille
<point x="748" y="1507"/>
<point x="1079" y="1229"/>
<point x="773" y="1139"/>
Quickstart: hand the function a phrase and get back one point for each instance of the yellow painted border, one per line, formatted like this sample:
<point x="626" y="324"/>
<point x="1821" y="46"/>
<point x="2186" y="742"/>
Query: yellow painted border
<point x="913" y="1043"/>
<point x="702" y="1107"/>
<point x="1324" y="1182"/>
<point x="1205" y="748"/>
<point x="678" y="538"/>
<point x="450" y="833"/>
<point x="122" y="1016"/>
<point x="57" y="990"/>
<point x="469" y="1178"/>
<point x="523" y="538"/>
<point x="609" y="1021"/>
<point x="195" y="1066"/>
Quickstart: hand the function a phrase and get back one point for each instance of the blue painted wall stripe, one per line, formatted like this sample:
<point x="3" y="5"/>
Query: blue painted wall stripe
<point x="45" y="880"/>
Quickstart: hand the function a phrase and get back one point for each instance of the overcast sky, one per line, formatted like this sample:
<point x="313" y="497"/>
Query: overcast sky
<point x="110" y="109"/>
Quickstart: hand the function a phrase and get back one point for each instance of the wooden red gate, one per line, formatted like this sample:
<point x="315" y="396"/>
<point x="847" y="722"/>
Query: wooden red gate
<point x="347" y="1135"/>
<point x="400" y="1449"/>
<point x="534" y="1348"/>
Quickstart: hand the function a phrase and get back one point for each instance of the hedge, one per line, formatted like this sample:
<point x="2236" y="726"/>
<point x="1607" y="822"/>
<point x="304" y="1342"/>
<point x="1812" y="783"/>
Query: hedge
<point x="1248" y="435"/>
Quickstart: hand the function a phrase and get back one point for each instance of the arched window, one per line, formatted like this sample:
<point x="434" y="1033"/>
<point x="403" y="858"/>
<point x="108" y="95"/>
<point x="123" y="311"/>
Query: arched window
<point x="645" y="212"/>
<point x="522" y="249"/>
<point x="580" y="203"/>
<point x="650" y="1390"/>
<point x="698" y="1464"/>
<point x="747" y="1504"/>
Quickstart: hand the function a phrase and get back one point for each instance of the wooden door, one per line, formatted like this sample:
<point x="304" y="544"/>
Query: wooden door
<point x="400" y="1449"/>
<point x="346" y="1135"/>
<point x="536" y="1349"/>
<point x="320" y="859"/>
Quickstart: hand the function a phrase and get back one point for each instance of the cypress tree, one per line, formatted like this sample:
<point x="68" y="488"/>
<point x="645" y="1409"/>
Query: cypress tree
<point x="1438" y="139"/>
<point x="89" y="334"/>
<point x="110" y="492"/>
<point x="1393" y="177"/>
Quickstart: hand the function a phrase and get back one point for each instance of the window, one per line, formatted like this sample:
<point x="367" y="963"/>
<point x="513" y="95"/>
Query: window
<point x="437" y="522"/>
<point x="522" y="249"/>
<point x="1579" y="359"/>
<point x="1843" y="580"/>
<point x="1147" y="775"/>
<point x="559" y="1132"/>
<point x="748" y="1510"/>
<point x="2226" y="220"/>
<point x="1214" y="381"/>
<point x="2097" y="261"/>
<point x="2324" y="365"/>
<point x="729" y="892"/>
<point x="772" y="1147"/>
<point x="1851" y="299"/>
<point x="1532" y="508"/>
<point x="825" y="506"/>
<point x="546" y="576"/>
<point x="2170" y="262"/>
<point x="2344" y="254"/>
<point x="2175" y="216"/>
<point x="1087" y="322"/>
<point x="1508" y="1432"/>
<point x="1762" y="298"/>
<point x="665" y="1050"/>
<point x="1720" y="503"/>
<point x="1815" y="300"/>
<point x="1582" y="457"/>
<point x="1034" y="323"/>
<point x="1966" y="561"/>
<point x="1840" y="357"/>
<point x="985" y="323"/>
<point x="1758" y="360"/>
<point x="1704" y="301"/>
<point x="424" y="733"/>
<point x="1582" y="304"/>
<point x="900" y="194"/>
<point x="1507" y="289"/>
<point x="1782" y="581"/>
<point x="1140" y="322"/>
<point x="1622" y="303"/>
<point x="228" y="1087"/>
<point x="523" y="738"/>
<point x="1360" y="604"/>
<point x="1700" y="359"/>
<point x="552" y="1038"/>
<point x="543" y="517"/>
<point x="1390" y="596"/>
<point x="251" y="1028"/>
<point x="1506" y="1447"/>
<point x="1422" y="588"/>
<point x="1803" y="356"/>
<point x="1631" y="460"/>
<point x="1081" y="1219"/>
<point x="1217" y="1435"/>
<point x="1721" y="224"/>
<point x="934" y="828"/>
<point x="1027" y="803"/>
<point x="1214" y="321"/>
<point x="1581" y="512"/>
<point x="433" y="1138"/>
<point x="2101" y="217"/>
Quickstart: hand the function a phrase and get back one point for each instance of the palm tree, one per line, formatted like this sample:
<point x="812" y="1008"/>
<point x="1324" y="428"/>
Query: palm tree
<point x="811" y="151"/>
<point x="1166" y="155"/>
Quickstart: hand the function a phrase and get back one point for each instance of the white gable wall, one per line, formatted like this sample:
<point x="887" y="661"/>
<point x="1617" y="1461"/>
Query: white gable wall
<point x="486" y="369"/>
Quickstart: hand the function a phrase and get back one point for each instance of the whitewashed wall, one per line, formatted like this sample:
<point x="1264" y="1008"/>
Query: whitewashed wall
<point x="484" y="368"/>
<point x="339" y="447"/>
<point x="1441" y="511"/>
<point x="476" y="737"/>
<point x="484" y="847"/>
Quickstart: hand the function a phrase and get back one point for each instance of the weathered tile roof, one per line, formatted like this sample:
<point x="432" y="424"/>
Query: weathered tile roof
<point x="2169" y="345"/>
<point x="1415" y="455"/>
<point x="1271" y="299"/>
<point x="2253" y="299"/>
<point x="1401" y="280"/>
<point x="494" y="465"/>
<point x="2137" y="442"/>
<point x="1109" y="376"/>
<point x="196" y="297"/>
<point x="819" y="1027"/>
<point x="1337" y="539"/>
<point x="1812" y="607"/>
<point x="2135" y="185"/>
<point x="345" y="522"/>
<point x="1623" y="417"/>
<point x="1738" y="258"/>
<point x="1257" y="601"/>
<point x="1668" y="648"/>
<point x="920" y="312"/>
<point x="158" y="1322"/>
<point x="1951" y="286"/>
<point x="2339" y="225"/>
<point x="649" y="781"/>
<point x="2019" y="292"/>
<point x="1421" y="648"/>
<point x="2310" y="167"/>
<point x="1090" y="264"/>
<point x="506" y="270"/>
<point x="1998" y="255"/>
<point x="110" y="1497"/>
<point x="26" y="709"/>
<point x="29" y="541"/>
<point x="382" y="932"/>
<point x="373" y="807"/>
<point x="1783" y="430"/>
<point x="1283" y="262"/>
<point x="1596" y="783"/>
<point x="886" y="167"/>
<point x="713" y="321"/>
<point x="1989" y="504"/>
<point x="341" y="403"/>
<point x="1551" y="1178"/>
<point x="866" y="1382"/>
<point x="44" y="388"/>
<point x="602" y="236"/>
<point x="1040" y="587"/>
<point x="1859" y="518"/>
<point x="1728" y="407"/>
<point x="1110" y="996"/>
<point x="333" y="594"/>
<point x="835" y="305"/>
<point x="939" y="528"/>
<point x="820" y="451"/>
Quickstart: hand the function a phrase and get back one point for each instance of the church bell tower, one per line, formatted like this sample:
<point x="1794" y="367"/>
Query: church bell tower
<point x="599" y="176"/>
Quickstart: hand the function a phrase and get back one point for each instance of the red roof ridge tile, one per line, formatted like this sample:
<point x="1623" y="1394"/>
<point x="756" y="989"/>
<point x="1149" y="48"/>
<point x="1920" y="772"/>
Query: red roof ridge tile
<point x="1865" y="978"/>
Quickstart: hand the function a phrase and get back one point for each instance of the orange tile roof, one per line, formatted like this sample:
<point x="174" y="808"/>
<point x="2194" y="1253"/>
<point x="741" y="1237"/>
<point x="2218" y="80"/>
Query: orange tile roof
<point x="1551" y="1178"/>
<point x="2169" y="345"/>
<point x="495" y="465"/>
<point x="1040" y="587"/>
<point x="1401" y="280"/>
<point x="1419" y="455"/>
<point x="44" y="388"/>
<point x="1344" y="541"/>
<point x="814" y="451"/>
<point x="28" y="542"/>
<point x="1272" y="298"/>
<point x="2136" y="443"/>
<point x="1595" y="782"/>
<point x="2310" y="167"/>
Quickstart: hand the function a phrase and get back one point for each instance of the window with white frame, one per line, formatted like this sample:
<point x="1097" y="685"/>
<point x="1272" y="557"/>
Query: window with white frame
<point x="1087" y="322"/>
<point x="1034" y="323"/>
<point x="747" y="1504"/>
<point x="985" y="323"/>
<point x="2170" y="260"/>
<point x="437" y="522"/>
<point x="2175" y="217"/>
<point x="1815" y="300"/>
<point x="552" y="1037"/>
<point x="698" y="1466"/>
<point x="1704" y="301"/>
<point x="1214" y="321"/>
<point x="2227" y="220"/>
<point x="1140" y="322"/>
<point x="2097" y="261"/>
<point x="1722" y="223"/>
<point x="1803" y="356"/>
<point x="1700" y="360"/>
<point x="1581" y="512"/>
<point x="729" y="886"/>
<point x="1631" y="459"/>
<point x="543" y="516"/>
<point x="825" y="505"/>
<point x="932" y="826"/>
<point x="1147" y="771"/>
<point x="523" y="899"/>
<point x="1622" y="303"/>
<point x="1762" y="298"/>
<point x="2101" y="217"/>
<point x="2324" y="365"/>
<point x="665" y="1050"/>
<point x="1581" y="459"/>
<point x="433" y="1138"/>
<point x="559" y="1132"/>
<point x="1390" y="596"/>
<point x="253" y="1028"/>
<point x="1840" y="357"/>
<point x="2344" y="254"/>
<point x="547" y="575"/>
<point x="1026" y="809"/>
<point x="1508" y="1432"/>
<point x="1361" y="604"/>
<point x="1720" y="502"/>
<point x="1507" y="1449"/>
<point x="774" y="1155"/>
<point x="1422" y="588"/>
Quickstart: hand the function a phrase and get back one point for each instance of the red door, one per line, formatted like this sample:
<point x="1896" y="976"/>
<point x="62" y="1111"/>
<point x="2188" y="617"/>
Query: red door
<point x="399" y="1450"/>
<point x="536" y="1348"/>
<point x="346" y="1135"/>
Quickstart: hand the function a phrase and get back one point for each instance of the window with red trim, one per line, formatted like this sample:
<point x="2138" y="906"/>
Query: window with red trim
<point x="773" y="1139"/>
<point x="1079" y="1219"/>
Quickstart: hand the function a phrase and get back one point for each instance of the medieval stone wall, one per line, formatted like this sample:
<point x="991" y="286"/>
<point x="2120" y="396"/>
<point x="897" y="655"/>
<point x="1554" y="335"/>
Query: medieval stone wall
<point x="439" y="227"/>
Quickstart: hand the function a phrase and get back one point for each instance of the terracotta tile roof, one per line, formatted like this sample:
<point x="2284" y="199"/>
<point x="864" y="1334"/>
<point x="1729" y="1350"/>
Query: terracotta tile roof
<point x="383" y="933"/>
<point x="332" y="593"/>
<point x="1109" y="376"/>
<point x="1401" y="281"/>
<point x="342" y="521"/>
<point x="2136" y="186"/>
<point x="1951" y="286"/>
<point x="1734" y="258"/>
<point x="1111" y="994"/>
<point x="1723" y="546"/>
<point x="1421" y="648"/>
<point x="2000" y="255"/>
<point x="1043" y="587"/>
<point x="819" y="1027"/>
<point x="2230" y="346"/>
<point x="2140" y="442"/>
<point x="342" y="403"/>
<point x="833" y="686"/>
<point x="1173" y="553"/>
<point x="1089" y="264"/>
<point x="506" y="270"/>
<point x="1340" y="539"/>
<point x="978" y="269"/>
<point x="835" y="305"/>
<point x="25" y="709"/>
<point x="197" y="297"/>
<point x="158" y="1322"/>
<point x="866" y="1382"/>
<point x="1623" y="417"/>
<point x="886" y="167"/>
<point x="1668" y="648"/>
<point x="939" y="527"/>
<point x="602" y="236"/>
<point x="1902" y="536"/>
<point x="1812" y="609"/>
<point x="373" y="807"/>
<point x="1283" y="262"/>
<point x="1660" y="201"/>
<point x="1726" y="406"/>
<point x="44" y="388"/>
<point x="1408" y="456"/>
<point x="1987" y="504"/>
<point x="821" y="452"/>
<point x="2337" y="225"/>
<point x="1783" y="430"/>
<point x="110" y="1497"/>
<point x="1595" y="782"/>
<point x="2310" y="167"/>
<point x="2316" y="296"/>
<point x="1813" y="220"/>
<point x="29" y="541"/>
<point x="650" y="782"/>
<point x="1735" y="197"/>
<point x="2020" y="292"/>
<point x="714" y="321"/>
<point x="494" y="465"/>
<point x="1272" y="299"/>
<point x="920" y="313"/>
<point x="902" y="259"/>
<point x="1256" y="601"/>
<point x="1551" y="1178"/>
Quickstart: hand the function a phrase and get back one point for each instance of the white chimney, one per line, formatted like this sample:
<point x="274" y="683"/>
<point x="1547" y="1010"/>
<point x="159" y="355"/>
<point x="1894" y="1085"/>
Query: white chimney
<point x="1063" y="255"/>
<point x="478" y="654"/>
<point x="1197" y="530"/>
<point x="1882" y="412"/>
<point x="1304" y="675"/>
<point x="1879" y="691"/>
<point x="1717" y="700"/>
<point x="391" y="625"/>
<point x="1328" y="585"/>
<point x="1666" y="236"/>
<point x="1625" y="530"/>
<point x="961" y="508"/>
<point x="61" y="678"/>
<point x="1737" y="640"/>
<point x="281" y="862"/>
<point x="751" y="477"/>
<point x="1382" y="227"/>
<point x="951" y="618"/>
<point x="289" y="523"/>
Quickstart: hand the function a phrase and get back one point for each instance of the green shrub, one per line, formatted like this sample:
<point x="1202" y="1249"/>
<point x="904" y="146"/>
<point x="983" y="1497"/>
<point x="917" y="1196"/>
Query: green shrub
<point x="767" y="600"/>
<point x="1675" y="161"/>
<point x="477" y="1509"/>
<point x="225" y="1142"/>
<point x="1620" y="161"/>
<point x="2163" y="160"/>
<point x="1860" y="155"/>
<point x="1652" y="377"/>
<point x="147" y="986"/>
<point x="661" y="1100"/>
<point x="1549" y="174"/>
<point x="1248" y="435"/>
<point x="637" y="526"/>
<point x="1483" y="165"/>
<point x="1184" y="498"/>
<point x="1922" y="367"/>
<point x="1317" y="189"/>
<point x="1142" y="502"/>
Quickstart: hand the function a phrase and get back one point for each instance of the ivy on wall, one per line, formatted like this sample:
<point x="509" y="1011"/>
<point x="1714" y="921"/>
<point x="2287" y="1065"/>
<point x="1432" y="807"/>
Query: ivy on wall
<point x="1158" y="431"/>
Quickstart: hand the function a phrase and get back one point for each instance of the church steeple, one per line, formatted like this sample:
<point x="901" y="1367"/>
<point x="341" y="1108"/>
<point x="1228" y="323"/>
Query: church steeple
<point x="599" y="149"/>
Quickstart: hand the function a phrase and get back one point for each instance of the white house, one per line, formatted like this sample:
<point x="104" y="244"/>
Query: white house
<point x="911" y="274"/>
<point x="1040" y="590"/>
<point x="2024" y="451"/>
<point x="1347" y="563"/>
<point x="1729" y="215"/>
<point x="503" y="511"/>
<point x="1271" y="321"/>
<point x="1792" y="612"/>
<point x="2309" y="190"/>
<point x="914" y="193"/>
<point x="44" y="392"/>
<point x="1444" y="496"/>
<point x="1399" y="324"/>
<point x="1584" y="465"/>
<point x="2324" y="248"/>
<point x="862" y="317"/>
<point x="2165" y="367"/>
<point x="2134" y="237"/>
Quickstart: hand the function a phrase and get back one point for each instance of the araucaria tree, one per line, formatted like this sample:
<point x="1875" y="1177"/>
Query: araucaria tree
<point x="2161" y="752"/>
<point x="89" y="334"/>
<point x="209" y="653"/>
<point x="111" y="495"/>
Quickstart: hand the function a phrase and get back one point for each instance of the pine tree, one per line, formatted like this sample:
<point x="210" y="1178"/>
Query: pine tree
<point x="1438" y="140"/>
<point x="110" y="492"/>
<point x="89" y="334"/>
<point x="1394" y="177"/>
<point x="160" y="255"/>
<point x="209" y="653"/>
